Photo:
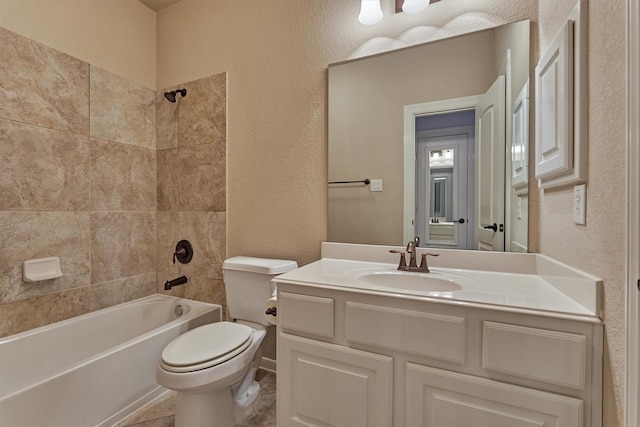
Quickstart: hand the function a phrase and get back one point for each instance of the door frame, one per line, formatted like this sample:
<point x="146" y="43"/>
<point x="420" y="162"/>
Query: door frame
<point x="411" y="112"/>
<point x="632" y="389"/>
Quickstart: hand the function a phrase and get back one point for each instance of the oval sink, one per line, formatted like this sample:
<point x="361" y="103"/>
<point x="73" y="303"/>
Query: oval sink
<point x="409" y="281"/>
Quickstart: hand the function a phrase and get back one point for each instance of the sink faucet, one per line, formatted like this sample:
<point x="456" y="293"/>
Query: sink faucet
<point x="412" y="251"/>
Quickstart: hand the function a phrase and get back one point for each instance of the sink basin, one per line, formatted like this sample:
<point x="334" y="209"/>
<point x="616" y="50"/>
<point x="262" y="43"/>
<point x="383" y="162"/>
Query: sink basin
<point x="393" y="279"/>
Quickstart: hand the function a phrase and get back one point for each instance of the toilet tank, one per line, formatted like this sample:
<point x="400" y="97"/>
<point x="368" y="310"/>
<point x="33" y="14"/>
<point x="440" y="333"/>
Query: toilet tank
<point x="247" y="283"/>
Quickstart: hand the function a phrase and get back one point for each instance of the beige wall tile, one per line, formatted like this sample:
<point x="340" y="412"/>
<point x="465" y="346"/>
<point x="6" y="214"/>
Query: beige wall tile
<point x="170" y="181"/>
<point x="33" y="235"/>
<point x="43" y="86"/>
<point x="202" y="117"/>
<point x="123" y="177"/>
<point x="177" y="291"/>
<point x="166" y="121"/>
<point x="197" y="288"/>
<point x="123" y="244"/>
<point x="121" y="110"/>
<point x="106" y="294"/>
<point x="43" y="169"/>
<point x="207" y="233"/>
<point x="119" y="243"/>
<point x="203" y="179"/>
<point x="206" y="290"/>
<point x="19" y="316"/>
<point x="167" y="230"/>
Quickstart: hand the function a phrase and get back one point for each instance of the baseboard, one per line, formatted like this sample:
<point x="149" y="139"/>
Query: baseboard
<point x="268" y="364"/>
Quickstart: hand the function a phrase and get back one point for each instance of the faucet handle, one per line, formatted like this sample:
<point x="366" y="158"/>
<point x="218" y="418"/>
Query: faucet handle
<point x="423" y="262"/>
<point x="403" y="259"/>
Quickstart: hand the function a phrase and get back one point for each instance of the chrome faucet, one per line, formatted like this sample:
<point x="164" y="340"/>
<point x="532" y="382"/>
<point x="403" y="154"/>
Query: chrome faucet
<point x="412" y="251"/>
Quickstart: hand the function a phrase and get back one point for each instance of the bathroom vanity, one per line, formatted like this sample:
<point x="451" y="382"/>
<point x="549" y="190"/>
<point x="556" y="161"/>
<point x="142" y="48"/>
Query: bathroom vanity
<point x="486" y="339"/>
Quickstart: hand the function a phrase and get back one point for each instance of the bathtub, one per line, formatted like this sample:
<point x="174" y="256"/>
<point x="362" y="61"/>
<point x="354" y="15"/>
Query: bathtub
<point x="95" y="369"/>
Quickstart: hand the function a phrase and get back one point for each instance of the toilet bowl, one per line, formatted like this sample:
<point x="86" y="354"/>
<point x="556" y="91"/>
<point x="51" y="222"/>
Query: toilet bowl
<point x="213" y="367"/>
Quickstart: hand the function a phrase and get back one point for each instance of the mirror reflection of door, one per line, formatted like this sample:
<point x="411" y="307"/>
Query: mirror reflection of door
<point x="445" y="180"/>
<point x="490" y="140"/>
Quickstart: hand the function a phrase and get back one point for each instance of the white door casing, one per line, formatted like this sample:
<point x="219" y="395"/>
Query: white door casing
<point x="490" y="161"/>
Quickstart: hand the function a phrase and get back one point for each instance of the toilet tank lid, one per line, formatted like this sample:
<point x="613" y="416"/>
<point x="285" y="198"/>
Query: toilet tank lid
<point x="259" y="265"/>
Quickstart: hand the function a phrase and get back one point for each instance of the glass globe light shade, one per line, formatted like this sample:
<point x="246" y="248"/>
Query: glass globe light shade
<point x="370" y="12"/>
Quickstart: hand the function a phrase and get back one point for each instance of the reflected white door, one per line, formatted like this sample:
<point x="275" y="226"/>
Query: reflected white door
<point x="444" y="188"/>
<point x="490" y="158"/>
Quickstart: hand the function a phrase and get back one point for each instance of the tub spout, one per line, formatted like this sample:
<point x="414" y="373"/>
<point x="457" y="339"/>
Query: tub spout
<point x="175" y="282"/>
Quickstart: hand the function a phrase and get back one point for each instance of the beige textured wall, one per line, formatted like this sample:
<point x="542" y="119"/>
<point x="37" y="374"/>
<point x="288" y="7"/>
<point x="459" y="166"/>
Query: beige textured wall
<point x="598" y="247"/>
<point x="276" y="59"/>
<point x="116" y="35"/>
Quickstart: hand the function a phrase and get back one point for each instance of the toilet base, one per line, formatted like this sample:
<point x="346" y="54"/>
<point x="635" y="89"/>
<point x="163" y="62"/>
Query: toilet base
<point x="214" y="409"/>
<point x="220" y="408"/>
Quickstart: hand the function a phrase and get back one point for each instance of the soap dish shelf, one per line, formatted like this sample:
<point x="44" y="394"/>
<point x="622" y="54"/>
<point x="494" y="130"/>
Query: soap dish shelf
<point x="36" y="270"/>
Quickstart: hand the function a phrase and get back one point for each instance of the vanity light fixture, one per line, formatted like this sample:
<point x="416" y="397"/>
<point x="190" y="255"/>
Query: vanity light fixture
<point x="414" y="6"/>
<point x="370" y="12"/>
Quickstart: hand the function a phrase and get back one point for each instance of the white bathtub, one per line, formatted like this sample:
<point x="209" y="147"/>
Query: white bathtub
<point x="95" y="369"/>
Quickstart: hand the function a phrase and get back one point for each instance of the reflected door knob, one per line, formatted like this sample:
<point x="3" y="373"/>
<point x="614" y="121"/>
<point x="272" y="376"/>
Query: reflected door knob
<point x="493" y="227"/>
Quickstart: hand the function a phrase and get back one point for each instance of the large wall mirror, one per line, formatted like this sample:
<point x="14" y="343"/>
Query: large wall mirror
<point x="432" y="141"/>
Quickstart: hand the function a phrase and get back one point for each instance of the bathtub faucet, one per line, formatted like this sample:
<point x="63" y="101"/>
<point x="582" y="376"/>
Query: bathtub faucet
<point x="175" y="282"/>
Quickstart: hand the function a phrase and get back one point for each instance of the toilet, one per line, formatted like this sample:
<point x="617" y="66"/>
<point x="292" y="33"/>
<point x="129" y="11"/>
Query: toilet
<point x="212" y="367"/>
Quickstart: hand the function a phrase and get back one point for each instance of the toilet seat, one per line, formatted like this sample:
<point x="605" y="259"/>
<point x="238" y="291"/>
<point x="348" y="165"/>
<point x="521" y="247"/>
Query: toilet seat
<point x="206" y="346"/>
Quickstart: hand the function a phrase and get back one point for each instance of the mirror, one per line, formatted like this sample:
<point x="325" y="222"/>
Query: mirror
<point x="396" y="116"/>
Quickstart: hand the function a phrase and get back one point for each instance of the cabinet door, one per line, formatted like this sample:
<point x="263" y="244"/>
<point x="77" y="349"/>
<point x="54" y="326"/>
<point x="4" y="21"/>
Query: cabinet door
<point x="438" y="398"/>
<point x="322" y="384"/>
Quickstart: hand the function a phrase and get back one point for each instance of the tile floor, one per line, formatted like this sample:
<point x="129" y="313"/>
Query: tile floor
<point x="160" y="413"/>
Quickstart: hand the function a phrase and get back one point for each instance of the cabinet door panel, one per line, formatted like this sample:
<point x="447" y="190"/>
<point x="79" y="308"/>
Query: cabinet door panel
<point x="542" y="355"/>
<point x="441" y="336"/>
<point x="321" y="384"/>
<point x="438" y="398"/>
<point x="306" y="314"/>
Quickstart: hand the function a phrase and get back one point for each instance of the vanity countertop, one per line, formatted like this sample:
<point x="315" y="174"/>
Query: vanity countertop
<point x="528" y="283"/>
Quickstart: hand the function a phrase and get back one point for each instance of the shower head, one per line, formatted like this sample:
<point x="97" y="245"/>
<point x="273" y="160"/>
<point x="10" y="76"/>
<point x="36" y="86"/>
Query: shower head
<point x="171" y="96"/>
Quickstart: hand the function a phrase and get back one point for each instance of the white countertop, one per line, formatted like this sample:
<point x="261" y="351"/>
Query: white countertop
<point x="508" y="291"/>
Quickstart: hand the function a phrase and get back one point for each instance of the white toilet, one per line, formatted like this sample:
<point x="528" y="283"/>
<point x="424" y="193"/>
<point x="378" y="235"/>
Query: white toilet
<point x="213" y="367"/>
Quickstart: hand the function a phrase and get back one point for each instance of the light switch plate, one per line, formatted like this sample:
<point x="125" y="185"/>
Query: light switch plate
<point x="376" y="185"/>
<point x="580" y="204"/>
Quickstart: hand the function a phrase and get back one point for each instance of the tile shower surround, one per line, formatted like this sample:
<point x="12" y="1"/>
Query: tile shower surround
<point x="91" y="166"/>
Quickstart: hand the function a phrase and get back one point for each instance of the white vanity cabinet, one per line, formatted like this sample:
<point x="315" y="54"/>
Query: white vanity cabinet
<point x="351" y="358"/>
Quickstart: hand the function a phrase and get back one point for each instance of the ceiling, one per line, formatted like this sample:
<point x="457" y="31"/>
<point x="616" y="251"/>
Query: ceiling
<point x="157" y="5"/>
